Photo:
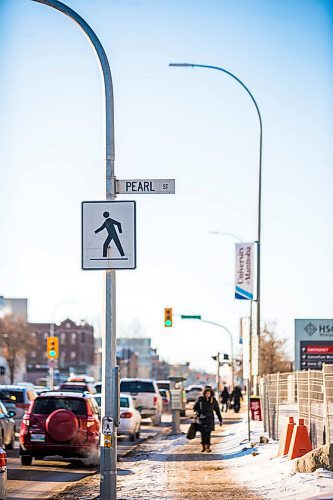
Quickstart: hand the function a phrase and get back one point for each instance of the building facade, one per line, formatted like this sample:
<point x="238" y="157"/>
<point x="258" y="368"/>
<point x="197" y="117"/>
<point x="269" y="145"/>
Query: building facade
<point x="76" y="349"/>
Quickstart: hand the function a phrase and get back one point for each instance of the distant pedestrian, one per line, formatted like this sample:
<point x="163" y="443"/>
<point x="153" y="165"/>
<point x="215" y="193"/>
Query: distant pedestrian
<point x="236" y="397"/>
<point x="225" y="398"/>
<point x="204" y="408"/>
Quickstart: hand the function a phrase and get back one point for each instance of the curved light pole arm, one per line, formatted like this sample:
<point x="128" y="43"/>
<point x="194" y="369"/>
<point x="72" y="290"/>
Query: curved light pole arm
<point x="108" y="88"/>
<point x="231" y="343"/>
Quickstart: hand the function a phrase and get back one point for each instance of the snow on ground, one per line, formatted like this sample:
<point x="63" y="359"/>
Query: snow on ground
<point x="268" y="475"/>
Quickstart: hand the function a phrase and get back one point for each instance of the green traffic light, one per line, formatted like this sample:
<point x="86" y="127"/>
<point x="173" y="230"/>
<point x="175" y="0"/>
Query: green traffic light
<point x="168" y="322"/>
<point x="52" y="353"/>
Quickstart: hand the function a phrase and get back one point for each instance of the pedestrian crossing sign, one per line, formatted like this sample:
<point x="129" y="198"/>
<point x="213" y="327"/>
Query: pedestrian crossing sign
<point x="108" y="235"/>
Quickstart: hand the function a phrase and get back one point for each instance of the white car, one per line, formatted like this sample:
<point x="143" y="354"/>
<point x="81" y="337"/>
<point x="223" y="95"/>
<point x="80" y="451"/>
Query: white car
<point x="130" y="418"/>
<point x="146" y="397"/>
<point x="193" y="393"/>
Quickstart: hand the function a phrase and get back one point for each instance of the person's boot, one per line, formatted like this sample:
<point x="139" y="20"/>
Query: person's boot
<point x="208" y="448"/>
<point x="203" y="448"/>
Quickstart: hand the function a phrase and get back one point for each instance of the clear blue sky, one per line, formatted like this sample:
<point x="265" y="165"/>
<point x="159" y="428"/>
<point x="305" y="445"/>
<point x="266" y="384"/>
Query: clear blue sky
<point x="195" y="125"/>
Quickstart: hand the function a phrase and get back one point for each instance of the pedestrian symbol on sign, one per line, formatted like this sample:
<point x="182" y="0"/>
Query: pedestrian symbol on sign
<point x="110" y="226"/>
<point x="108" y="235"/>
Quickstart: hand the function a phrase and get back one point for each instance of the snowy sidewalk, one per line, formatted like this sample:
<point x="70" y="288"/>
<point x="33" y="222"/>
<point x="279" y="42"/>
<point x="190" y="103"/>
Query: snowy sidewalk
<point x="174" y="468"/>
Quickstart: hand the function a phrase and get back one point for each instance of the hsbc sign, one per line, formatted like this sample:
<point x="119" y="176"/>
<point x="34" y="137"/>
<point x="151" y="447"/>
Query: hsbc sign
<point x="313" y="343"/>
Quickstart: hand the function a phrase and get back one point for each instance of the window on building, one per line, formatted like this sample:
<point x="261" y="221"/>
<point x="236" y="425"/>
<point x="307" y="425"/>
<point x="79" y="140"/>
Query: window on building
<point x="73" y="338"/>
<point x="83" y="337"/>
<point x="33" y="354"/>
<point x="62" y="338"/>
<point x="73" y="354"/>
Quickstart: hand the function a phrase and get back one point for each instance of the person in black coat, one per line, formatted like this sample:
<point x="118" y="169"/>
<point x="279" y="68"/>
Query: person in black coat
<point x="204" y="408"/>
<point x="225" y="397"/>
<point x="236" y="397"/>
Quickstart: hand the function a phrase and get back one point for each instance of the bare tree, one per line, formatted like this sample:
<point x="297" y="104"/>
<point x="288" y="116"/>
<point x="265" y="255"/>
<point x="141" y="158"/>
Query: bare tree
<point x="15" y="339"/>
<point x="273" y="357"/>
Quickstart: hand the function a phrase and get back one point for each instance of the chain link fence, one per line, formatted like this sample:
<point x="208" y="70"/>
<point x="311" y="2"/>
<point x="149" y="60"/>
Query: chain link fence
<point x="301" y="394"/>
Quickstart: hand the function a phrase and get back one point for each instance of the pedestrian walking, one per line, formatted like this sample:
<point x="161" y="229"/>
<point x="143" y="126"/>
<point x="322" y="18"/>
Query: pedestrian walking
<point x="236" y="397"/>
<point x="225" y="398"/>
<point x="204" y="408"/>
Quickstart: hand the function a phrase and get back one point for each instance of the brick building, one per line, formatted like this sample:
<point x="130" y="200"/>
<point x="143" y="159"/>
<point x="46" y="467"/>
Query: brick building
<point x="76" y="349"/>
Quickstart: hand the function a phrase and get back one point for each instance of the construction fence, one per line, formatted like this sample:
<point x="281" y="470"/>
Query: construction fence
<point x="300" y="394"/>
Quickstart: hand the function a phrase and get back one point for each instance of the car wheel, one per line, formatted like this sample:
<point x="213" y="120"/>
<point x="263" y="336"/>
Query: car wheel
<point x="26" y="460"/>
<point x="11" y="445"/>
<point x="132" y="437"/>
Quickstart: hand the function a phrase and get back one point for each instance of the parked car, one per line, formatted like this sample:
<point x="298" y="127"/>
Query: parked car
<point x="3" y="474"/>
<point x="192" y="393"/>
<point x="166" y="398"/>
<point x="77" y="387"/>
<point x="98" y="387"/>
<point x="98" y="399"/>
<point x="21" y="396"/>
<point x="163" y="384"/>
<point x="146" y="396"/>
<point x="7" y="427"/>
<point x="130" y="418"/>
<point x="60" y="423"/>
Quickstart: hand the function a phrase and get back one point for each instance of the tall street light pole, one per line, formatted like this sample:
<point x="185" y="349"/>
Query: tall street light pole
<point x="108" y="463"/>
<point x="217" y="68"/>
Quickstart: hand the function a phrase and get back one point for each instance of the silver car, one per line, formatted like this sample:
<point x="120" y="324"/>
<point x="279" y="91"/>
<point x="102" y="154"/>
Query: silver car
<point x="7" y="428"/>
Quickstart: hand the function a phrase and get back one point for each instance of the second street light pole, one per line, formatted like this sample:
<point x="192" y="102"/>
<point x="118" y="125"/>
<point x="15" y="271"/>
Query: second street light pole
<point x="110" y="396"/>
<point x="238" y="80"/>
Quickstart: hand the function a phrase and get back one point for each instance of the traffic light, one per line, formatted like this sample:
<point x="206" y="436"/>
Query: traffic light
<point x="168" y="317"/>
<point x="52" y="347"/>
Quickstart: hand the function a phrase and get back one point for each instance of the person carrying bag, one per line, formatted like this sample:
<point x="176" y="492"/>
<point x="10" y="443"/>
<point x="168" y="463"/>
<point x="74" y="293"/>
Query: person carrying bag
<point x="204" y="408"/>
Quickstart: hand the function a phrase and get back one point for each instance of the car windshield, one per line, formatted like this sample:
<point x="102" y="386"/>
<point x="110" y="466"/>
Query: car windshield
<point x="45" y="406"/>
<point x="98" y="400"/>
<point x="15" y="396"/>
<point x="135" y="386"/>
<point x="124" y="402"/>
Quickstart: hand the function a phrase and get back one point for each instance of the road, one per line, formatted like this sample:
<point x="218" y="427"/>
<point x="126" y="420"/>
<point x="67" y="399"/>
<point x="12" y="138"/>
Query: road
<point x="45" y="478"/>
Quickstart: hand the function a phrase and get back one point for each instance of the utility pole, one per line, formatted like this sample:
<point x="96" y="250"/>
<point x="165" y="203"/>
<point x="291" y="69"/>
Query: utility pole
<point x="110" y="393"/>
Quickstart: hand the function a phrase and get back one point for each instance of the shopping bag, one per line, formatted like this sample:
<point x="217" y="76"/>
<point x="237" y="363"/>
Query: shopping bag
<point x="192" y="430"/>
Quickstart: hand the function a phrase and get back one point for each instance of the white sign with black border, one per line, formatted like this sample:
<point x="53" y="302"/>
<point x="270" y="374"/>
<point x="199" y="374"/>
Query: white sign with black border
<point x="108" y="235"/>
<point x="107" y="424"/>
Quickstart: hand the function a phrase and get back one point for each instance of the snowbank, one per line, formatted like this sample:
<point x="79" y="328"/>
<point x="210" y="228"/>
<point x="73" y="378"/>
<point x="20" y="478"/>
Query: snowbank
<point x="265" y="473"/>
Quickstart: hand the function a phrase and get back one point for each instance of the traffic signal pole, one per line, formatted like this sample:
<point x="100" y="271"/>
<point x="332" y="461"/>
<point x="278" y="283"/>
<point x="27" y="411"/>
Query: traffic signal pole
<point x="110" y="391"/>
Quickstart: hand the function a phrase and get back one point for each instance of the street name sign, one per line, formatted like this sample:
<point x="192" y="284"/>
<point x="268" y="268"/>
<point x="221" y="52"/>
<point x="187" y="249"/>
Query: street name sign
<point x="145" y="186"/>
<point x="108" y="235"/>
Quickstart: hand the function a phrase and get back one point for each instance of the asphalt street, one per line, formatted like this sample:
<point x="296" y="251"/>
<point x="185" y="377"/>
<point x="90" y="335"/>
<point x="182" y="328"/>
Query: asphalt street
<point x="45" y="478"/>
